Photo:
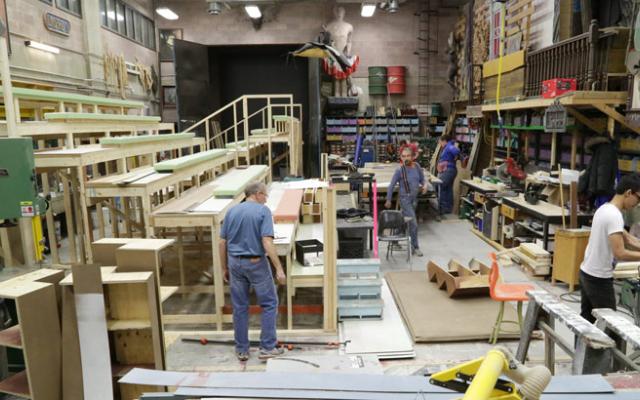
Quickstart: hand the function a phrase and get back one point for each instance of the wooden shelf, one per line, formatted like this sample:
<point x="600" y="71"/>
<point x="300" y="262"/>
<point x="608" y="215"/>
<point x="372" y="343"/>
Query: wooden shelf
<point x="16" y="385"/>
<point x="127" y="324"/>
<point x="11" y="337"/>
<point x="530" y="229"/>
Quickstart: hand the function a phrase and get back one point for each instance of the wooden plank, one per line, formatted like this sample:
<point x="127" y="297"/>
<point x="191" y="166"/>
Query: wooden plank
<point x="41" y="346"/>
<point x="17" y="385"/>
<point x="72" y="386"/>
<point x="613" y="114"/>
<point x="92" y="332"/>
<point x="577" y="98"/>
<point x="510" y="62"/>
<point x="11" y="337"/>
<point x="288" y="209"/>
<point x="590" y="123"/>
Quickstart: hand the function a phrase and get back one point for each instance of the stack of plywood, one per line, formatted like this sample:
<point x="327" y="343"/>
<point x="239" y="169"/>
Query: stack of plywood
<point x="311" y="209"/>
<point x="534" y="260"/>
<point x="459" y="280"/>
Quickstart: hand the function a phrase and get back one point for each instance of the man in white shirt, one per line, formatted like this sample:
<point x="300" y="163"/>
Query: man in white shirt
<point x="608" y="241"/>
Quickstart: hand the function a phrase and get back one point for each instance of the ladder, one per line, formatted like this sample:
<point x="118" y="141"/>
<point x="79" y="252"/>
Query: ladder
<point x="427" y="49"/>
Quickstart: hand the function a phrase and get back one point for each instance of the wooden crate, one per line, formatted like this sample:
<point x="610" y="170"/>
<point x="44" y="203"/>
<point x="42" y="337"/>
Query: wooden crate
<point x="570" y="245"/>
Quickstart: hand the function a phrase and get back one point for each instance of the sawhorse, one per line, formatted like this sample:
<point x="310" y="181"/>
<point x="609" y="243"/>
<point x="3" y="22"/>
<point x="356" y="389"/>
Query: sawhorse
<point x="592" y="353"/>
<point x="624" y="332"/>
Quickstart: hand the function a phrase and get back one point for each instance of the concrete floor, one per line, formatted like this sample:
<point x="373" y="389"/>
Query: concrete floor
<point x="440" y="241"/>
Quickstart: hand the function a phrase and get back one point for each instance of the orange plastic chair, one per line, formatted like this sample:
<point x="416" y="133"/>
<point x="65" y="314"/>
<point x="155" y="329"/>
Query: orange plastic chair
<point x="504" y="292"/>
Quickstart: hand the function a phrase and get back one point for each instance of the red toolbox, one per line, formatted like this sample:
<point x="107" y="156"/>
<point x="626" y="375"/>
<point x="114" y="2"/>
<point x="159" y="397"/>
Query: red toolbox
<point x="555" y="87"/>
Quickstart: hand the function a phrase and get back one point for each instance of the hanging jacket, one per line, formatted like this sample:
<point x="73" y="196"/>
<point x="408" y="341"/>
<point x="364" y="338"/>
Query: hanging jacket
<point x="599" y="178"/>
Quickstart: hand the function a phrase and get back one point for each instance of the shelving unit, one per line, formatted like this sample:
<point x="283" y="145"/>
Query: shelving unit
<point x="133" y="324"/>
<point x="37" y="335"/>
<point x="341" y="132"/>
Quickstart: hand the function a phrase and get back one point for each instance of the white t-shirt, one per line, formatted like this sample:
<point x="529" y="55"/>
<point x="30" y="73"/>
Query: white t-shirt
<point x="598" y="258"/>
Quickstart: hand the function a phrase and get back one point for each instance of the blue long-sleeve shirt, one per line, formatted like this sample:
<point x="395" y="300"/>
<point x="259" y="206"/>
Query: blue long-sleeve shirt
<point x="449" y="154"/>
<point x="415" y="177"/>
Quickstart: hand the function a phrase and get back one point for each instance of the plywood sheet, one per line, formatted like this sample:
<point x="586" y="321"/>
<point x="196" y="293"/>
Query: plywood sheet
<point x="372" y="337"/>
<point x="92" y="333"/>
<point x="432" y="316"/>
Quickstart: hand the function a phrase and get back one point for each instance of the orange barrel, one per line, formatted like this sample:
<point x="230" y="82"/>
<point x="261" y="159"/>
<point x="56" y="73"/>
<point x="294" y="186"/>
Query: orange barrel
<point x="395" y="80"/>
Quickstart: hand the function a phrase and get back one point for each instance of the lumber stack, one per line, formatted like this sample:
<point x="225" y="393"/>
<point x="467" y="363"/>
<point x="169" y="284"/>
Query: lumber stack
<point x="311" y="208"/>
<point x="627" y="270"/>
<point x="534" y="260"/>
<point x="460" y="280"/>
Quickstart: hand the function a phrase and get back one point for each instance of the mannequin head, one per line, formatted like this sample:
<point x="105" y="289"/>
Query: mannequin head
<point x="338" y="13"/>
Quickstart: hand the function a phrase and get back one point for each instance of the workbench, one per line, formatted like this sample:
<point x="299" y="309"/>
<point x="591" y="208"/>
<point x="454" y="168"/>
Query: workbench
<point x="546" y="212"/>
<point x="384" y="172"/>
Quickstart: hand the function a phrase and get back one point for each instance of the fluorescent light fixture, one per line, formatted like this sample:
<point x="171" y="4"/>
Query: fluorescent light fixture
<point x="166" y="13"/>
<point x="42" y="46"/>
<point x="253" y="11"/>
<point x="367" y="10"/>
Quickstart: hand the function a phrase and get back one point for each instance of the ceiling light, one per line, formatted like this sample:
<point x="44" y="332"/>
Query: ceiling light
<point x="367" y="10"/>
<point x="253" y="11"/>
<point x="214" y="8"/>
<point x="393" y="6"/>
<point x="166" y="13"/>
<point x="42" y="46"/>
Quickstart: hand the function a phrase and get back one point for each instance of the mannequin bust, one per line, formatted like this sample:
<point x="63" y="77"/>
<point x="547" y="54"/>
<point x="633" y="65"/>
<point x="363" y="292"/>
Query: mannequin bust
<point x="341" y="33"/>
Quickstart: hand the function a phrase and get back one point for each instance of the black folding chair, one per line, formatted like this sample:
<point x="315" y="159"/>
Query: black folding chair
<point x="393" y="228"/>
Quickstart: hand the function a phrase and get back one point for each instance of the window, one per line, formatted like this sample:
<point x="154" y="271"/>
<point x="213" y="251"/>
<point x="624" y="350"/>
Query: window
<point x="128" y="16"/>
<point x="73" y="6"/>
<point x="50" y="2"/>
<point x="124" y="20"/>
<point x="111" y="14"/>
<point x="103" y="12"/>
<point x="120" y="18"/>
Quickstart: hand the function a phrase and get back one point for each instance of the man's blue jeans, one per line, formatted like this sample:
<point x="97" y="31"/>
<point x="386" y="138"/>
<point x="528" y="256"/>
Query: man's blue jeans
<point x="244" y="274"/>
<point x="408" y="204"/>
<point x="446" y="190"/>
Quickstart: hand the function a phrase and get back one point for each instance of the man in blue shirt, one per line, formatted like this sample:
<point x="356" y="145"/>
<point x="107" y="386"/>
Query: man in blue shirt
<point x="411" y="179"/>
<point x="447" y="172"/>
<point x="245" y="237"/>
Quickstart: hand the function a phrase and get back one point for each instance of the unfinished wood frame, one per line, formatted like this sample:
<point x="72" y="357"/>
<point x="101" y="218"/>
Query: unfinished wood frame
<point x="70" y="166"/>
<point x="330" y="252"/>
<point x="133" y="324"/>
<point x="146" y="184"/>
<point x="181" y="214"/>
<point x="459" y="280"/>
<point x="37" y="334"/>
<point x="288" y="131"/>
